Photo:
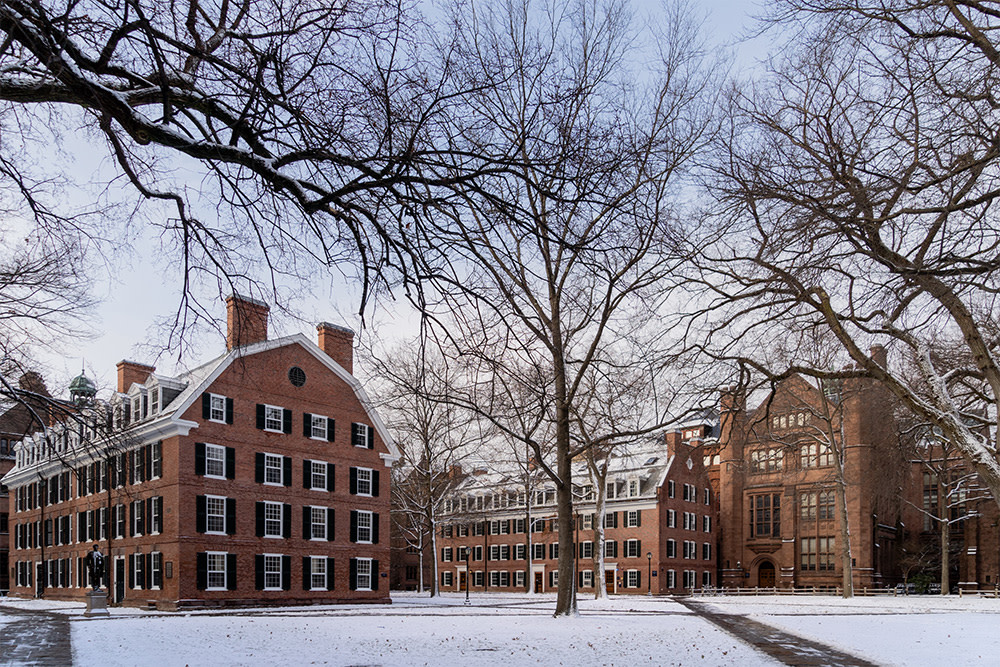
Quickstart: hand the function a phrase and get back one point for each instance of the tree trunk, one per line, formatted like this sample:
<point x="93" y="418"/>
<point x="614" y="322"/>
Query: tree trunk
<point x="600" y="585"/>
<point x="566" y="598"/>
<point x="845" y="531"/>
<point x="435" y="578"/>
<point x="945" y="555"/>
<point x="529" y="556"/>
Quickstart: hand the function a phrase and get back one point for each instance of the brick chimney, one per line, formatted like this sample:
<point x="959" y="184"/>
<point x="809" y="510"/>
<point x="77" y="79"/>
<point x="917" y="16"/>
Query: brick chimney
<point x="132" y="371"/>
<point x="879" y="356"/>
<point x="338" y="343"/>
<point x="246" y="321"/>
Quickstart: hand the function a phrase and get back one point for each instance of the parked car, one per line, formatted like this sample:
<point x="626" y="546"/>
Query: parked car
<point x="906" y="589"/>
<point x="934" y="589"/>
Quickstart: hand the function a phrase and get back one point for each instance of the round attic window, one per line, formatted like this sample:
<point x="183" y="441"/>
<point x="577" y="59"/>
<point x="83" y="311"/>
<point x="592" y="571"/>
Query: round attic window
<point x="297" y="376"/>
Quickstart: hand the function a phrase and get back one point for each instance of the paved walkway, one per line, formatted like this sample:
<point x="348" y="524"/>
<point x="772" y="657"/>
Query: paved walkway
<point x="34" y="638"/>
<point x="782" y="646"/>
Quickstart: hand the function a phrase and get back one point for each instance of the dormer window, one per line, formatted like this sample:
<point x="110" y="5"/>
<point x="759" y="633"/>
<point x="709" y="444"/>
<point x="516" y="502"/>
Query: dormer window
<point x="633" y="488"/>
<point x="154" y="400"/>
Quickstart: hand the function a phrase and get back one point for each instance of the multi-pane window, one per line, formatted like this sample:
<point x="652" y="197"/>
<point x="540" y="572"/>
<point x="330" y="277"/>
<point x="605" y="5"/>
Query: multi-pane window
<point x="317" y="529"/>
<point x="708" y="496"/>
<point x="770" y="459"/>
<point x="317" y="576"/>
<point x="814" y="454"/>
<point x="671" y="549"/>
<point x="273" y="467"/>
<point x="587" y="579"/>
<point x="670" y="488"/>
<point x="706" y="551"/>
<point x="273" y="418"/>
<point x="272" y="573"/>
<point x="632" y="519"/>
<point x="215" y="514"/>
<point x="518" y="578"/>
<point x="671" y="518"/>
<point x="446" y="553"/>
<point x="610" y="549"/>
<point x="272" y="519"/>
<point x="359" y="435"/>
<point x="706" y="524"/>
<point x="588" y="522"/>
<point x="689" y="578"/>
<point x="817" y="553"/>
<point x="690" y="521"/>
<point x="317" y="475"/>
<point x="632" y="548"/>
<point x="364" y="481"/>
<point x="363" y="576"/>
<point x="216" y="571"/>
<point x="631" y="578"/>
<point x="706" y="579"/>
<point x="671" y="579"/>
<point x="217" y="408"/>
<point x="633" y="488"/>
<point x="586" y="549"/>
<point x="520" y="551"/>
<point x="765" y="515"/>
<point x="364" y="526"/>
<point x="690" y="549"/>
<point x="538" y="551"/>
<point x="318" y="427"/>
<point x="215" y="461"/>
<point x="477" y="552"/>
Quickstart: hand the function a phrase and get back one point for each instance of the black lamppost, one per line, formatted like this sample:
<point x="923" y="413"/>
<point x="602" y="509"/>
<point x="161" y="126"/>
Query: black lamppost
<point x="649" y="573"/>
<point x="468" y="575"/>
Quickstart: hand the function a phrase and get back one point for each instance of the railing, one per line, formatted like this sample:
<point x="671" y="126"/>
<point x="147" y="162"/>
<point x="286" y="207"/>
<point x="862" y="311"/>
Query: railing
<point x="802" y="590"/>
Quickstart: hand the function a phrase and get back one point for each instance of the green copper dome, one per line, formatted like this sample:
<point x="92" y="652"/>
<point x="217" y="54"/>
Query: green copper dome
<point x="82" y="387"/>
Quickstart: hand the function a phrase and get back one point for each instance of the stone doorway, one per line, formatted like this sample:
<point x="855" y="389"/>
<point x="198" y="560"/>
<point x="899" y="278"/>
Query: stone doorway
<point x="765" y="574"/>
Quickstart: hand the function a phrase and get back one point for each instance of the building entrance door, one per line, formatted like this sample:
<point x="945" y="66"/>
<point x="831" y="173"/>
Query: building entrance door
<point x="119" y="580"/>
<point x="539" y="579"/>
<point x="765" y="574"/>
<point x="609" y="581"/>
<point x="463" y="580"/>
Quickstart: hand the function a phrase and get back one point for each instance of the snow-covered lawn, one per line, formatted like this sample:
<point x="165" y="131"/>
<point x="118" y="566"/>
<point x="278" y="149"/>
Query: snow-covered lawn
<point x="906" y="630"/>
<point x="500" y="629"/>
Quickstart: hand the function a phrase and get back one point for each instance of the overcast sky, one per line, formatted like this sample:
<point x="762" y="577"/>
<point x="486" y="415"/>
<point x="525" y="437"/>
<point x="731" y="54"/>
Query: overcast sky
<point x="143" y="291"/>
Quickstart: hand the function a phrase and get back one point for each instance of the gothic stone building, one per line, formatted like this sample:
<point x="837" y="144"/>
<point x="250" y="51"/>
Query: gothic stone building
<point x="260" y="477"/>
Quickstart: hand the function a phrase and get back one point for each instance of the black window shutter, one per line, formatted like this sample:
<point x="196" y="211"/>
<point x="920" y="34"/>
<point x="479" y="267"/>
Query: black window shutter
<point x="131" y="570"/>
<point x="206" y="406"/>
<point x="614" y="519"/>
<point x="638" y="548"/>
<point x="330" y="424"/>
<point x="113" y="473"/>
<point x="147" y="520"/>
<point x="131" y="467"/>
<point x="286" y="422"/>
<point x="230" y="516"/>
<point x="231" y="572"/>
<point x="307" y="474"/>
<point x="286" y="463"/>
<point x="286" y="573"/>
<point x="260" y="416"/>
<point x="258" y="568"/>
<point x="306" y="523"/>
<point x="638" y="517"/>
<point x="354" y="527"/>
<point x="371" y="437"/>
<point x="81" y="527"/>
<point x="260" y="519"/>
<point x="330" y="579"/>
<point x="230" y="463"/>
<point x="329" y="530"/>
<point x="147" y="463"/>
<point x="354" y="481"/>
<point x="353" y="577"/>
<point x="638" y="578"/>
<point x="260" y="468"/>
<point x="131" y="523"/>
<point x="375" y="574"/>
<point x="375" y="483"/>
<point x="199" y="458"/>
<point x="147" y="572"/>
<point x="200" y="520"/>
<point x="286" y="520"/>
<point x="614" y="549"/>
<point x="202" y="569"/>
<point x="580" y="578"/>
<point x="330" y="469"/>
<point x="306" y="573"/>
<point x="229" y="410"/>
<point x="374" y="527"/>
<point x="307" y="430"/>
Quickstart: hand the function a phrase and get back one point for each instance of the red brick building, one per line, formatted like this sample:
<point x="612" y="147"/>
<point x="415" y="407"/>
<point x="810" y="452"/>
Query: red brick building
<point x="659" y="537"/>
<point x="775" y="475"/>
<point x="259" y="477"/>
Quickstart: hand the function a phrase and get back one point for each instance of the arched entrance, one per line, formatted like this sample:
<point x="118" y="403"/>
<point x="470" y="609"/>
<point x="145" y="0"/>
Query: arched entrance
<point x="765" y="574"/>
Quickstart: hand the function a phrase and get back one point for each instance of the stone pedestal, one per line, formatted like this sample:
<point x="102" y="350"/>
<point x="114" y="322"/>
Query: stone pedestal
<point x="97" y="604"/>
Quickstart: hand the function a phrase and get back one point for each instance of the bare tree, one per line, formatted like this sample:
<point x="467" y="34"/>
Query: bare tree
<point x="855" y="187"/>
<point x="546" y="267"/>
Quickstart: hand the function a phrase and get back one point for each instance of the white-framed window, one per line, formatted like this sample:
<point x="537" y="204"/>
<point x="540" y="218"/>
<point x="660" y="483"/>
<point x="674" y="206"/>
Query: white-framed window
<point x="690" y="549"/>
<point x="690" y="521"/>
<point x="137" y="574"/>
<point x="364" y="481"/>
<point x="633" y="488"/>
<point x="217" y="570"/>
<point x="671" y="548"/>
<point x="317" y="475"/>
<point x="272" y="572"/>
<point x="518" y="578"/>
<point x="215" y="515"/>
<point x="611" y="490"/>
<point x="554" y="578"/>
<point x="317" y="519"/>
<point x="274" y="469"/>
<point x="274" y="419"/>
<point x="610" y="549"/>
<point x="155" y="570"/>
<point x="317" y="569"/>
<point x="215" y="461"/>
<point x="272" y="521"/>
<point x="494" y="578"/>
<point x="317" y="430"/>
<point x="520" y="550"/>
<point x="689" y="578"/>
<point x="706" y="524"/>
<point x="708" y="497"/>
<point x="363" y="581"/>
<point x="632" y="519"/>
<point x="587" y="579"/>
<point x="588" y="521"/>
<point x="447" y="578"/>
<point x="631" y="578"/>
<point x="217" y="408"/>
<point x="671" y="579"/>
<point x="706" y="551"/>
<point x="671" y="518"/>
<point x="632" y="548"/>
<point x="137" y="463"/>
<point x="586" y="549"/>
<point x="477" y="552"/>
<point x="671" y="488"/>
<point x="359" y="435"/>
<point x="364" y="526"/>
<point x="446" y="554"/>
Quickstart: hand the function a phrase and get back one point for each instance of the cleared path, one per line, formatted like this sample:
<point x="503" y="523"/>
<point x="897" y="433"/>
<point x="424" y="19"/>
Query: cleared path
<point x="34" y="638"/>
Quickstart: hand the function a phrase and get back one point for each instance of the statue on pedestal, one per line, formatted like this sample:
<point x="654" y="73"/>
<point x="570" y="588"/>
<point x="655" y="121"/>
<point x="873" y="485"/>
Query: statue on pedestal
<point x="95" y="566"/>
